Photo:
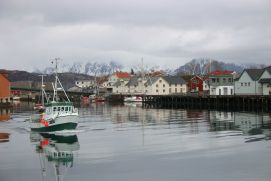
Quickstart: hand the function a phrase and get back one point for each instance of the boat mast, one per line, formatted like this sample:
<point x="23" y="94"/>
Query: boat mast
<point x="43" y="93"/>
<point x="142" y="76"/>
<point x="57" y="81"/>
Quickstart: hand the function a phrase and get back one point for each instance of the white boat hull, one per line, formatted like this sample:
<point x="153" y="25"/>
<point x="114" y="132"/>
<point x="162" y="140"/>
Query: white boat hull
<point x="65" y="122"/>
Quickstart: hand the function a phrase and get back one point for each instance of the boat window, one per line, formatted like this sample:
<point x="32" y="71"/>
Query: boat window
<point x="66" y="109"/>
<point x="62" y="108"/>
<point x="54" y="108"/>
<point x="58" y="108"/>
<point x="69" y="108"/>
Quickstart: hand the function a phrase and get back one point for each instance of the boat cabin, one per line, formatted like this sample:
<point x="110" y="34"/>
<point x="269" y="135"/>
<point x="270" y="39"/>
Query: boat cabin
<point x="59" y="107"/>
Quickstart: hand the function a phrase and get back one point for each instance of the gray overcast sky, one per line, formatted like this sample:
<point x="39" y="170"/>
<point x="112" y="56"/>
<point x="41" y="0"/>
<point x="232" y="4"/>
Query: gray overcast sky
<point x="167" y="33"/>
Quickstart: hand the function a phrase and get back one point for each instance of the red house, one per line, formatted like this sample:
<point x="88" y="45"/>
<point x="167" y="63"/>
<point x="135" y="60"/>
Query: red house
<point x="4" y="87"/>
<point x="195" y="85"/>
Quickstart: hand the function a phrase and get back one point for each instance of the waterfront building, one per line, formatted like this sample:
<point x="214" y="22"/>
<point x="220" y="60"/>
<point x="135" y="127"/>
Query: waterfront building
<point x="265" y="81"/>
<point x="165" y="85"/>
<point x="4" y="88"/>
<point x="118" y="76"/>
<point x="221" y="82"/>
<point x="120" y="87"/>
<point x="248" y="82"/>
<point x="85" y="83"/>
<point x="254" y="82"/>
<point x="136" y="85"/>
<point x="195" y="85"/>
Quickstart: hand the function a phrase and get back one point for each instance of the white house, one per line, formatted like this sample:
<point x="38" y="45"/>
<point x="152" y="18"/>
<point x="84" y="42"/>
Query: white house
<point x="254" y="82"/>
<point x="85" y="83"/>
<point x="248" y="82"/>
<point x="120" y="87"/>
<point x="115" y="77"/>
<point x="136" y="85"/>
<point x="221" y="82"/>
<point x="165" y="85"/>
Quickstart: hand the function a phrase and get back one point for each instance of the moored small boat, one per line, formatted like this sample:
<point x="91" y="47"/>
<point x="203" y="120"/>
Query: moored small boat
<point x="133" y="99"/>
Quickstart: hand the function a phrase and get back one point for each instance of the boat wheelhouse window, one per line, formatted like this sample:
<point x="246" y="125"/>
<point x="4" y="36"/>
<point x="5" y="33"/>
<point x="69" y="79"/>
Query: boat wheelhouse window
<point x="69" y="108"/>
<point x="66" y="109"/>
<point x="54" y="108"/>
<point x="62" y="108"/>
<point x="58" y="108"/>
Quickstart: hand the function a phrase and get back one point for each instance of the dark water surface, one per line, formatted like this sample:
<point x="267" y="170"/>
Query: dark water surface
<point x="126" y="142"/>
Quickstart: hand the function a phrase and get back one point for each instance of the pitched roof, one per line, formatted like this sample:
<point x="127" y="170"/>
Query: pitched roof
<point x="133" y="81"/>
<point x="151" y="80"/>
<point x="268" y="69"/>
<point x="197" y="76"/>
<point x="254" y="74"/>
<point x="4" y="73"/>
<point x="174" y="80"/>
<point x="122" y="75"/>
<point x="118" y="83"/>
<point x="220" y="73"/>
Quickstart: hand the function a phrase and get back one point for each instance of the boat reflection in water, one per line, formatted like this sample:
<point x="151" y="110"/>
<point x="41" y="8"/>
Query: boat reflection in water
<point x="248" y="123"/>
<point x="56" y="153"/>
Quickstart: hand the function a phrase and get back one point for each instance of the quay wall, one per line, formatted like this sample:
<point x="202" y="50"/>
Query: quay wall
<point x="235" y="103"/>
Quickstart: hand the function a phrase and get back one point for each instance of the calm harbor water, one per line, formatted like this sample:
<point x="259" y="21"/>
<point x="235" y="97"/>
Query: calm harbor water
<point x="127" y="142"/>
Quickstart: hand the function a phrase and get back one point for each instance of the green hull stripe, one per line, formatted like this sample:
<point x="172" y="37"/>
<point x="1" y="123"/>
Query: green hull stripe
<point x="59" y="127"/>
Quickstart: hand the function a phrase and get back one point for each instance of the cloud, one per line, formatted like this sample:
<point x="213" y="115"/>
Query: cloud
<point x="164" y="32"/>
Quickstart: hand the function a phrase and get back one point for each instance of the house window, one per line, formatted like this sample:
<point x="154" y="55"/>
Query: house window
<point x="160" y="81"/>
<point x="169" y="90"/>
<point x="156" y="85"/>
<point x="156" y="90"/>
<point x="164" y="85"/>
<point x="175" y="89"/>
<point x="230" y="79"/>
<point x="175" y="85"/>
<point x="248" y="83"/>
<point x="169" y="85"/>
<point x="164" y="90"/>
<point x="241" y="83"/>
<point x="213" y="80"/>
<point x="245" y="84"/>
<point x="217" y="80"/>
<point x="181" y="90"/>
<point x="224" y="80"/>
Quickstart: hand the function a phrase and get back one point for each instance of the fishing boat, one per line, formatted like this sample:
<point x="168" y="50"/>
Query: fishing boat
<point x="58" y="115"/>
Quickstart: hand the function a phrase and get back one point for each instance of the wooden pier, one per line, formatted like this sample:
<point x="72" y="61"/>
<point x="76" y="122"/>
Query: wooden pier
<point x="235" y="103"/>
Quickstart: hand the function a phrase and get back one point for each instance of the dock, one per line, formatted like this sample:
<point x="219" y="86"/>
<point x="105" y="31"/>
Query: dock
<point x="234" y="102"/>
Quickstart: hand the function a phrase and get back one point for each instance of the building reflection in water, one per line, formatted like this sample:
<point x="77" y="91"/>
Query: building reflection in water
<point x="249" y="123"/>
<point x="4" y="114"/>
<point x="187" y="120"/>
<point x="56" y="153"/>
<point x="4" y="137"/>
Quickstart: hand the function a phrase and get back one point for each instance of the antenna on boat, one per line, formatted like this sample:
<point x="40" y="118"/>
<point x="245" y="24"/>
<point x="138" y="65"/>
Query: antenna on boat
<point x="57" y="81"/>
